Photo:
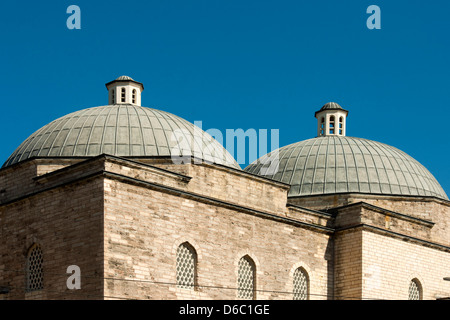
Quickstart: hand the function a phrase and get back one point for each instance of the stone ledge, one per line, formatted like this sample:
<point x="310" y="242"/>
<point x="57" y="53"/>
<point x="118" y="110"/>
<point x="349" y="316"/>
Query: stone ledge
<point x="377" y="196"/>
<point x="392" y="234"/>
<point x="115" y="159"/>
<point x="401" y="216"/>
<point x="185" y="194"/>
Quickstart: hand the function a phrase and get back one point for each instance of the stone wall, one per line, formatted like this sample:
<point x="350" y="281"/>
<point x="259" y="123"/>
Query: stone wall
<point x="348" y="265"/>
<point x="378" y="252"/>
<point x="389" y="265"/>
<point x="145" y="225"/>
<point x="122" y="221"/>
<point x="432" y="209"/>
<point x="233" y="185"/>
<point x="67" y="222"/>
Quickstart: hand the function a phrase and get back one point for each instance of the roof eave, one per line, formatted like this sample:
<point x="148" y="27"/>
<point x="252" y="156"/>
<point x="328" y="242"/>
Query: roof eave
<point x="346" y="111"/>
<point x="111" y="82"/>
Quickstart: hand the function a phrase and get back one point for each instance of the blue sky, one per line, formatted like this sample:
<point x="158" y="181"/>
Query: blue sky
<point x="237" y="64"/>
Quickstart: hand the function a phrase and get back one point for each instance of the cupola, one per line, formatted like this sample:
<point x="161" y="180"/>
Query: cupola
<point x="124" y="90"/>
<point x="331" y="120"/>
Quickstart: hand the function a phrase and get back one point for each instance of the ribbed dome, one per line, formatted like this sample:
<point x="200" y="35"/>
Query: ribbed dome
<point x="122" y="130"/>
<point x="334" y="164"/>
<point x="125" y="78"/>
<point x="331" y="106"/>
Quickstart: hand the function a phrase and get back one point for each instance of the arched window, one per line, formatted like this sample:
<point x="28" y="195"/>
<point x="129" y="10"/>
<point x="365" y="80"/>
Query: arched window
<point x="415" y="290"/>
<point x="113" y="96"/>
<point x="322" y="125"/>
<point x="134" y="96"/>
<point x="34" y="269"/>
<point x="246" y="278"/>
<point x="186" y="266"/>
<point x="301" y="285"/>
<point x="332" y="125"/>
<point x="123" y="95"/>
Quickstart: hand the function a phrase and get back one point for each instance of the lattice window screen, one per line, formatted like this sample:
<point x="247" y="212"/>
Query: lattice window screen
<point x="34" y="268"/>
<point x="300" y="285"/>
<point x="246" y="278"/>
<point x="414" y="290"/>
<point x="186" y="269"/>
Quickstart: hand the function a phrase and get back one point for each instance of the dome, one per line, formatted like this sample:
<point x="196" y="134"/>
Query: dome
<point x="125" y="78"/>
<point x="341" y="164"/>
<point x="124" y="130"/>
<point x="331" y="106"/>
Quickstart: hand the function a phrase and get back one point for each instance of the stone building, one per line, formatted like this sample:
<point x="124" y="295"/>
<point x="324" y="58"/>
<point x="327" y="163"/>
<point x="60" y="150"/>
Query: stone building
<point x="148" y="206"/>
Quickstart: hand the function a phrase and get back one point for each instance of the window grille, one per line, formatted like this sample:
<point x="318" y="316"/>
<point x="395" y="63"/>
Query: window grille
<point x="414" y="290"/>
<point x="301" y="285"/>
<point x="134" y="96"/>
<point x="331" y="125"/>
<point x="186" y="266"/>
<point x="246" y="278"/>
<point x="123" y="94"/>
<point x="34" y="269"/>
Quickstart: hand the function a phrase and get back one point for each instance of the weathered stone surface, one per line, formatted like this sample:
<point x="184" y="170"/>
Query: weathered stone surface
<point x="122" y="221"/>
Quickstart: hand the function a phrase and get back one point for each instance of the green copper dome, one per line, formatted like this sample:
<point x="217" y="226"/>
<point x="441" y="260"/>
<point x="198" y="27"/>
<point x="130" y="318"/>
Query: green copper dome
<point x="124" y="130"/>
<point x="339" y="164"/>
